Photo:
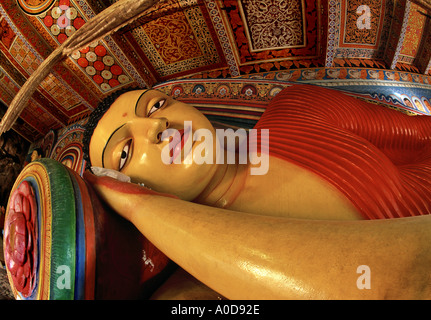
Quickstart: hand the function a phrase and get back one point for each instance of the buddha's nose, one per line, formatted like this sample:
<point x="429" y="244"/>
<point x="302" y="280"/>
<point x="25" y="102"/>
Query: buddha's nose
<point x="158" y="125"/>
<point x="149" y="128"/>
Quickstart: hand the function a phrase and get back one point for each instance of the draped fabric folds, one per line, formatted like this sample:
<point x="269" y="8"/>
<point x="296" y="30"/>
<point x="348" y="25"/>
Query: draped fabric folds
<point x="379" y="158"/>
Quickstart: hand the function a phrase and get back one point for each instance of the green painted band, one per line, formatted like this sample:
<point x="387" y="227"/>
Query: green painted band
<point x="63" y="232"/>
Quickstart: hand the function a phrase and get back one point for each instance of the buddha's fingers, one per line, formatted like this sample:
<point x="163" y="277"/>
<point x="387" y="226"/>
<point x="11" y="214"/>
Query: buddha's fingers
<point x="123" y="197"/>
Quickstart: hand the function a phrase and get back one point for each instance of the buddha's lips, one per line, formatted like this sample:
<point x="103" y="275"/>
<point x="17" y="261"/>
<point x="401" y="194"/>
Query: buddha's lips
<point x="178" y="144"/>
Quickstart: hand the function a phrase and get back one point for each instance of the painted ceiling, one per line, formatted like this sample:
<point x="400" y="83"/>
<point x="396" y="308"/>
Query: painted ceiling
<point x="296" y="39"/>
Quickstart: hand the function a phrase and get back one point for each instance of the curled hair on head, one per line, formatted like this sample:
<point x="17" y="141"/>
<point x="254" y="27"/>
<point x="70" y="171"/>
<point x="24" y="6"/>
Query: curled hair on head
<point x="94" y="118"/>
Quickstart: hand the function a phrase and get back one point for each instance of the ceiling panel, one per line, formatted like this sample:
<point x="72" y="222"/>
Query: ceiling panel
<point x="180" y="42"/>
<point x="201" y="38"/>
<point x="276" y="35"/>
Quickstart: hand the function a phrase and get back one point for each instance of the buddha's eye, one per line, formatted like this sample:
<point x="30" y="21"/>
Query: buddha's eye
<point x="124" y="154"/>
<point x="156" y="106"/>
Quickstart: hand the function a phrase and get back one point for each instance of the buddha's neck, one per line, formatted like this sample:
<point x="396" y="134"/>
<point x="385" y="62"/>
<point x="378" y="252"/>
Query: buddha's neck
<point x="227" y="183"/>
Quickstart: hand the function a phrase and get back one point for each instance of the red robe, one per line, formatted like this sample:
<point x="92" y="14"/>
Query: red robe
<point x="379" y="158"/>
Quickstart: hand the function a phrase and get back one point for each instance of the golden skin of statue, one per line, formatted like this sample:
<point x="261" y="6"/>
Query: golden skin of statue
<point x="286" y="189"/>
<point x="298" y="239"/>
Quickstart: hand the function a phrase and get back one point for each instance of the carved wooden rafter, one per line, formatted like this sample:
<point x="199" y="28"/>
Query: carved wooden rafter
<point x="108" y="21"/>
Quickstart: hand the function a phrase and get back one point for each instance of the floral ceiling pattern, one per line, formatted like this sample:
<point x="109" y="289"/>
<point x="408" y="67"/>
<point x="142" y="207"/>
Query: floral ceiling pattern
<point x="297" y="40"/>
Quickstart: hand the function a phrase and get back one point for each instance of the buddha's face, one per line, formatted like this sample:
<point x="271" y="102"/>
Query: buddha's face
<point x="128" y="138"/>
<point x="35" y="155"/>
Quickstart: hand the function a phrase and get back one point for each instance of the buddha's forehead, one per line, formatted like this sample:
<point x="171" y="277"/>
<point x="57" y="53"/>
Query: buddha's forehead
<point x="120" y="111"/>
<point x="127" y="100"/>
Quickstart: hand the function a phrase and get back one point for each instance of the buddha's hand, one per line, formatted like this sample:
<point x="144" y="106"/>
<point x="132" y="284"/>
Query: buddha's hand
<point x="123" y="197"/>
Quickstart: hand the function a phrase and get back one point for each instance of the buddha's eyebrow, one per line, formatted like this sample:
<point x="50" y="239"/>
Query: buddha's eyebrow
<point x="139" y="99"/>
<point x="107" y="142"/>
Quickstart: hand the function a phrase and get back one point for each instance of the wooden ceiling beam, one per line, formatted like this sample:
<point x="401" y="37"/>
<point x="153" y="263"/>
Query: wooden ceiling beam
<point x="397" y="33"/>
<point x="108" y="21"/>
<point x="426" y="4"/>
<point x="423" y="60"/>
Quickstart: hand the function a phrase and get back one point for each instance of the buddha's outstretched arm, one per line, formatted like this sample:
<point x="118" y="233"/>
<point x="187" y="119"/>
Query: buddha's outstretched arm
<point x="245" y="256"/>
